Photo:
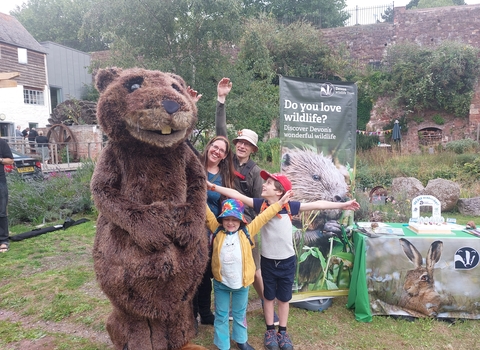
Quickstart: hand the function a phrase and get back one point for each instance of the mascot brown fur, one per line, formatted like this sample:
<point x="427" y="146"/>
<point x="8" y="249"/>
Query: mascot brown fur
<point x="150" y="249"/>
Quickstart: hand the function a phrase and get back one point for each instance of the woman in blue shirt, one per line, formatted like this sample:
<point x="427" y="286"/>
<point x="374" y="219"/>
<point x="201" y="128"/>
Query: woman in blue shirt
<point x="217" y="159"/>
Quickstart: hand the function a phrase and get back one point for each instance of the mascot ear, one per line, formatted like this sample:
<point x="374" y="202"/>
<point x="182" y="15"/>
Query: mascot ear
<point x="105" y="76"/>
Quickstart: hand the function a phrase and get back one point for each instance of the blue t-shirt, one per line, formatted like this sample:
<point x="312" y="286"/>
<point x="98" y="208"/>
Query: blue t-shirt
<point x="294" y="206"/>
<point x="213" y="197"/>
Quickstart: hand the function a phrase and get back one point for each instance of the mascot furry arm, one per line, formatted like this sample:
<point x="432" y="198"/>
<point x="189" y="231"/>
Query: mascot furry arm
<point x="150" y="249"/>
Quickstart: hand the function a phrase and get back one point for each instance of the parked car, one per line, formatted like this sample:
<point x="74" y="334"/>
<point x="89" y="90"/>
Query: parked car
<point x="26" y="166"/>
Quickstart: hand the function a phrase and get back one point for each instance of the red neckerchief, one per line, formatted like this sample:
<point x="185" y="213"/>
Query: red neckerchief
<point x="286" y="206"/>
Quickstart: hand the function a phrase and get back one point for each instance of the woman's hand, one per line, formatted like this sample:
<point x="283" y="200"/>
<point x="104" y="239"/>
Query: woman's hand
<point x="223" y="89"/>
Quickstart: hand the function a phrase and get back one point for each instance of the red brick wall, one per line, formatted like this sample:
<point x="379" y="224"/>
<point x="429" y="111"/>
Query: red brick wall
<point x="366" y="44"/>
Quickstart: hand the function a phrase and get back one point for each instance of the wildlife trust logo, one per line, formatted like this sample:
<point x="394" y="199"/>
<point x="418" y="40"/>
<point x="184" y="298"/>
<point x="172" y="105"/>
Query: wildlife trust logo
<point x="466" y="258"/>
<point x="327" y="89"/>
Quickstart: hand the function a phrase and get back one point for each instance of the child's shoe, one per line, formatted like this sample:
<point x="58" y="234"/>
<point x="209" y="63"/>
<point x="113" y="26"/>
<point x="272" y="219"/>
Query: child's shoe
<point x="245" y="346"/>
<point x="271" y="342"/>
<point x="284" y="341"/>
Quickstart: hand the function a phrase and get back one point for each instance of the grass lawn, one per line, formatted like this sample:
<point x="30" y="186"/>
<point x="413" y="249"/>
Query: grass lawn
<point x="49" y="299"/>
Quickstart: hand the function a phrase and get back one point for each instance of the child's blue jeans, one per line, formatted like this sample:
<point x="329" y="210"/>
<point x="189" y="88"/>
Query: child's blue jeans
<point x="239" y="298"/>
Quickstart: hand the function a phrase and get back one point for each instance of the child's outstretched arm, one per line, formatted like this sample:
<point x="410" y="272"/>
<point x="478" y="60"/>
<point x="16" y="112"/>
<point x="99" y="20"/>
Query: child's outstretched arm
<point x="322" y="205"/>
<point x="286" y="197"/>
<point x="230" y="193"/>
<point x="266" y="215"/>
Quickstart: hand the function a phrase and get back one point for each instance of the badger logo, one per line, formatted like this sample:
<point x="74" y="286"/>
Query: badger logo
<point x="466" y="258"/>
<point x="326" y="89"/>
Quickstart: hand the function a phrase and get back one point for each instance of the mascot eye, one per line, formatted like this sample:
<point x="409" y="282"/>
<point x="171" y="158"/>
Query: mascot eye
<point x="175" y="87"/>
<point x="134" y="84"/>
<point x="316" y="177"/>
<point x="134" y="87"/>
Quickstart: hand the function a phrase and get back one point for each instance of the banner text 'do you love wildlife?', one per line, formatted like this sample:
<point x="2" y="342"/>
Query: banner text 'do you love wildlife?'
<point x="319" y="114"/>
<point x="312" y="115"/>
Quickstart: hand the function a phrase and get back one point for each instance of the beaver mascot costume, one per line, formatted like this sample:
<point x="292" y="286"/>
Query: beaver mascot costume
<point x="149" y="187"/>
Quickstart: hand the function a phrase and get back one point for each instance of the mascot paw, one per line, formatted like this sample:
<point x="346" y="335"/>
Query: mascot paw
<point x="191" y="346"/>
<point x="332" y="228"/>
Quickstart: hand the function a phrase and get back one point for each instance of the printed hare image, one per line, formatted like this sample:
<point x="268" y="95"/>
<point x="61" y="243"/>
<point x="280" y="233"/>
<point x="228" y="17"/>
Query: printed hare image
<point x="419" y="296"/>
<point x="150" y="249"/>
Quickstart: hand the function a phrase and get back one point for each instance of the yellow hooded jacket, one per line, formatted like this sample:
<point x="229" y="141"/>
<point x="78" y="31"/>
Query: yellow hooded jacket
<point x="247" y="257"/>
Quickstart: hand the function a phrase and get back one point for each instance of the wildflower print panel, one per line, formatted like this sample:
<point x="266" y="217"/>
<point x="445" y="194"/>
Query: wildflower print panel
<point x="423" y="276"/>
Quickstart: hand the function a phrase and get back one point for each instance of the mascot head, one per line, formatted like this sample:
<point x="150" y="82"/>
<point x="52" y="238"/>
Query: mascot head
<point x="146" y="107"/>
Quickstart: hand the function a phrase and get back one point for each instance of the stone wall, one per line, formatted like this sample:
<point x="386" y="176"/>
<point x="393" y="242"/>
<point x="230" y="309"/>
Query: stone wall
<point x="366" y="44"/>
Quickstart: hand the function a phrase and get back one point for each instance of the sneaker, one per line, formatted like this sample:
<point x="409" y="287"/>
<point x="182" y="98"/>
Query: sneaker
<point x="276" y="321"/>
<point x="271" y="342"/>
<point x="230" y="315"/>
<point x="245" y="346"/>
<point x="284" y="341"/>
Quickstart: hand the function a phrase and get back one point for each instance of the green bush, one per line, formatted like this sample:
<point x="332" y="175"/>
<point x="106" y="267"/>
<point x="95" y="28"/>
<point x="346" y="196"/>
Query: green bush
<point x="462" y="146"/>
<point x="473" y="168"/>
<point x="58" y="196"/>
<point x="438" y="119"/>
<point x="463" y="158"/>
<point x="365" y="142"/>
<point x="269" y="152"/>
<point x="441" y="77"/>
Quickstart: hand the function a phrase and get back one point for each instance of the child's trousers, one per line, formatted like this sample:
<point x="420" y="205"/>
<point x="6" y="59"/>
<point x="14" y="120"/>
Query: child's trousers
<point x="239" y="298"/>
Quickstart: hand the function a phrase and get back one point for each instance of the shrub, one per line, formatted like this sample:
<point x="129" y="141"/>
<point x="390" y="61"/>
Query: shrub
<point x="364" y="143"/>
<point x="441" y="77"/>
<point x="438" y="119"/>
<point x="473" y="168"/>
<point x="269" y="152"/>
<point x="58" y="196"/>
<point x="462" y="146"/>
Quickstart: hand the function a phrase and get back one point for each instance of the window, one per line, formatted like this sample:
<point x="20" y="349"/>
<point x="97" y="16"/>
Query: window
<point x="33" y="97"/>
<point x="22" y="56"/>
<point x="55" y="96"/>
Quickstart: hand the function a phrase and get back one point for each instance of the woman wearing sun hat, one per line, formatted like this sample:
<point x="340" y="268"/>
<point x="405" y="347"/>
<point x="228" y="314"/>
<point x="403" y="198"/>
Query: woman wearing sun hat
<point x="233" y="266"/>
<point x="247" y="173"/>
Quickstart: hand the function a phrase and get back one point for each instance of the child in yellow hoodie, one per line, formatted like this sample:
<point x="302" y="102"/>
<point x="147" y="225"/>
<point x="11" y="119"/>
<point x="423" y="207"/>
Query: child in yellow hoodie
<point x="233" y="267"/>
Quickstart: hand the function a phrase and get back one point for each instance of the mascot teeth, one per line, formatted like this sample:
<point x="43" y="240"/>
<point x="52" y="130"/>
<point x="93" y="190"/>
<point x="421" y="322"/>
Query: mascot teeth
<point x="166" y="130"/>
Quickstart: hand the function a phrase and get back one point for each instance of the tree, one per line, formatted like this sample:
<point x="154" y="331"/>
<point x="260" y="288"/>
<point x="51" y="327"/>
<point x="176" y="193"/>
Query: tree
<point x="191" y="38"/>
<point x="387" y="16"/>
<point x="58" y="21"/>
<point x="329" y="13"/>
<point x="291" y="50"/>
<point x="422" y="4"/>
<point x="269" y="49"/>
<point x="441" y="78"/>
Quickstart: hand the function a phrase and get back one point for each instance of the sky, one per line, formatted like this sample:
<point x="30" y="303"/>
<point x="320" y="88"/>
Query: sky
<point x="7" y="5"/>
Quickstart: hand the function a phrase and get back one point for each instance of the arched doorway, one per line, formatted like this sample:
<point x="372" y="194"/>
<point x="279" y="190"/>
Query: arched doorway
<point x="430" y="136"/>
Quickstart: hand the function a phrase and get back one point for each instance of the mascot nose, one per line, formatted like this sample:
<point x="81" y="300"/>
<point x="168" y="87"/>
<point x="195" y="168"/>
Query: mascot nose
<point x="170" y="106"/>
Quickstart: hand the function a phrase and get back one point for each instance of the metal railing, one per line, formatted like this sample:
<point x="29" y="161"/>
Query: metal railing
<point x="370" y="15"/>
<point x="358" y="15"/>
<point x="58" y="153"/>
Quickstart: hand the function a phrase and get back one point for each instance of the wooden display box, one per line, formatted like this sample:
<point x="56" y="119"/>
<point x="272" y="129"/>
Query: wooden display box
<point x="429" y="229"/>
